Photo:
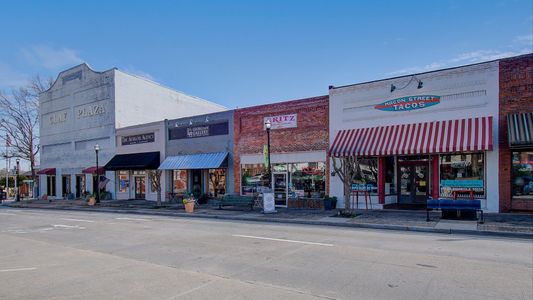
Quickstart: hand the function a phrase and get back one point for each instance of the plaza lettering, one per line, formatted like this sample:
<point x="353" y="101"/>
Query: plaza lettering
<point x="409" y="103"/>
<point x="91" y="111"/>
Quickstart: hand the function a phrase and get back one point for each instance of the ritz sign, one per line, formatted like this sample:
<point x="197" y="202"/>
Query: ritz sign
<point x="283" y="121"/>
<point x="409" y="103"/>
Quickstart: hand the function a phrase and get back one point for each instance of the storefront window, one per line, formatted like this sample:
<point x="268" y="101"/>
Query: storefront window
<point x="253" y="178"/>
<point x="123" y="181"/>
<point x="462" y="173"/>
<point x="217" y="182"/>
<point x="307" y="180"/>
<point x="180" y="183"/>
<point x="522" y="180"/>
<point x="366" y="173"/>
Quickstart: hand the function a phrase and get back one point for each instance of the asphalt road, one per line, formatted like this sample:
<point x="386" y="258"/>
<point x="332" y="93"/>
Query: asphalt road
<point x="86" y="255"/>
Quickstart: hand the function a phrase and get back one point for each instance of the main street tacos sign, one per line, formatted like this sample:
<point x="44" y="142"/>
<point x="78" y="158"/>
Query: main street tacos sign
<point x="409" y="103"/>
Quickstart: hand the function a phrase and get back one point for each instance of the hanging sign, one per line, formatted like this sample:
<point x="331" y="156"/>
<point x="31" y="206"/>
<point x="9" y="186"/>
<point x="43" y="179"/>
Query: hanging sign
<point x="409" y="103"/>
<point x="265" y="156"/>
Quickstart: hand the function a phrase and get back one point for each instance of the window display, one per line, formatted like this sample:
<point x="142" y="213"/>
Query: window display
<point x="217" y="182"/>
<point x="462" y="173"/>
<point x="123" y="181"/>
<point x="522" y="175"/>
<point x="307" y="180"/>
<point x="179" y="181"/>
<point x="253" y="178"/>
<point x="367" y="173"/>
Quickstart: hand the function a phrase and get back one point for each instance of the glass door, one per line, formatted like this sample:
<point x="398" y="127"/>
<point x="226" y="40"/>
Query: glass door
<point x="414" y="185"/>
<point x="140" y="187"/>
<point x="279" y="181"/>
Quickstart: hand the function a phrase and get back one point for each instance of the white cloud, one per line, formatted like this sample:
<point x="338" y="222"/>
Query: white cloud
<point x="51" y="58"/>
<point x="10" y="78"/>
<point x="463" y="58"/>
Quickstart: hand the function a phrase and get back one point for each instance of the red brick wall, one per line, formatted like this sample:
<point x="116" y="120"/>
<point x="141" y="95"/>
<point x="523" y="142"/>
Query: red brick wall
<point x="516" y="95"/>
<point x="312" y="133"/>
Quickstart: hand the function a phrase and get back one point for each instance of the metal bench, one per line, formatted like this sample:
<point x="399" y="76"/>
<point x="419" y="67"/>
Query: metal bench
<point x="233" y="200"/>
<point x="457" y="205"/>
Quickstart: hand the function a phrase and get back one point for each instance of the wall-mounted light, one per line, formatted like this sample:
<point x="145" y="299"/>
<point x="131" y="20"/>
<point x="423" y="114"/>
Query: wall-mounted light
<point x="190" y="122"/>
<point x="207" y="119"/>
<point x="420" y="84"/>
<point x="392" y="88"/>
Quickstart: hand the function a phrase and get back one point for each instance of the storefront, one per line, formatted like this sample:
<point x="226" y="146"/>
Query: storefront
<point x="298" y="151"/>
<point x="521" y="147"/>
<point x="419" y="136"/>
<point x="140" y="150"/>
<point x="516" y="134"/>
<point x="48" y="175"/>
<point x="199" y="156"/>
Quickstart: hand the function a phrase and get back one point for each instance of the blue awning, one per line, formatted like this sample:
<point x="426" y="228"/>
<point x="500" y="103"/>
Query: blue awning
<point x="213" y="160"/>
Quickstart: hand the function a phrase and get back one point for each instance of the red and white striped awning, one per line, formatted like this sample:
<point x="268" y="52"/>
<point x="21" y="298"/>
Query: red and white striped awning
<point x="466" y="135"/>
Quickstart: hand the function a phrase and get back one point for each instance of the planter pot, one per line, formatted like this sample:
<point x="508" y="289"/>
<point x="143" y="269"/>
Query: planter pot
<point x="189" y="207"/>
<point x="91" y="201"/>
<point x="327" y="204"/>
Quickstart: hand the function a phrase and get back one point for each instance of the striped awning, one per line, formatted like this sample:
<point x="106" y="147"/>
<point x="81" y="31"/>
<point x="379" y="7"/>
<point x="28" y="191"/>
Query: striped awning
<point x="520" y="128"/>
<point x="213" y="160"/>
<point x="465" y="135"/>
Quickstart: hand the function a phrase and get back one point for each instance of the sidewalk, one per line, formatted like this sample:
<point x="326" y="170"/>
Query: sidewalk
<point x="509" y="225"/>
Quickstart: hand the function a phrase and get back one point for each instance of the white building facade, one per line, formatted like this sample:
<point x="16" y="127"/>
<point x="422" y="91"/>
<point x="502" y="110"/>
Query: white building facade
<point x="426" y="135"/>
<point x="84" y="108"/>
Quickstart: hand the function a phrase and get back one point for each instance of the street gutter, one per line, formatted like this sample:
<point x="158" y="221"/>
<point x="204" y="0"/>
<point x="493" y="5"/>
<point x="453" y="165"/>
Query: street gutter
<point x="518" y="235"/>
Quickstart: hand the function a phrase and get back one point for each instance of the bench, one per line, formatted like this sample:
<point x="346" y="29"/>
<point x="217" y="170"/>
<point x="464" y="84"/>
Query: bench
<point x="457" y="205"/>
<point x="233" y="200"/>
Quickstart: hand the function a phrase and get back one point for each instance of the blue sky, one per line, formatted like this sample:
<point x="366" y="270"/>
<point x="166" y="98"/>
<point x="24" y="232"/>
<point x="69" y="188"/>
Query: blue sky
<point x="242" y="53"/>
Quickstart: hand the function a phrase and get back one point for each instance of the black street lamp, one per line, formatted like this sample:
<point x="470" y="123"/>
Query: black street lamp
<point x="16" y="180"/>
<point x="268" y="125"/>
<point x="96" y="149"/>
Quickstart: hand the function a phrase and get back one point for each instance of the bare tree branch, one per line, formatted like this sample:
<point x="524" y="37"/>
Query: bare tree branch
<point x="19" y="119"/>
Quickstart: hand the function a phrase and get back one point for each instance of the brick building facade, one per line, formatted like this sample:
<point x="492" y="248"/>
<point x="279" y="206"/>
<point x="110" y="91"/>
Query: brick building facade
<point x="516" y="96"/>
<point x="301" y="144"/>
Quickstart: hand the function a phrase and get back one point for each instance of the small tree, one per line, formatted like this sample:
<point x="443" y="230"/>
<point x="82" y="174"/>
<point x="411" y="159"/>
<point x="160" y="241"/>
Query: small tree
<point x="155" y="179"/>
<point x="346" y="169"/>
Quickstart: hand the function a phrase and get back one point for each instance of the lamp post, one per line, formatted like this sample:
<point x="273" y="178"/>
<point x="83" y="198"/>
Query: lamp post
<point x="268" y="125"/>
<point x="16" y="180"/>
<point x="96" y="149"/>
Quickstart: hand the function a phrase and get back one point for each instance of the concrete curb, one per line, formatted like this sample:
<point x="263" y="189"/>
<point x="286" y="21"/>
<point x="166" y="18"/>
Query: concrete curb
<point x="519" y="235"/>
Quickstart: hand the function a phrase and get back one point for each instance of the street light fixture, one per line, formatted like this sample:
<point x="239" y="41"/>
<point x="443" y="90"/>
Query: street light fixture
<point x="268" y="126"/>
<point x="96" y="149"/>
<point x="16" y="180"/>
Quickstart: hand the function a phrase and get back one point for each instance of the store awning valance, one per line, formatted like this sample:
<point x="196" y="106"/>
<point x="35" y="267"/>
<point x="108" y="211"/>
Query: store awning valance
<point x="213" y="160"/>
<point x="92" y="170"/>
<point x="134" y="161"/>
<point x="47" y="171"/>
<point x="465" y="135"/>
<point x="520" y="128"/>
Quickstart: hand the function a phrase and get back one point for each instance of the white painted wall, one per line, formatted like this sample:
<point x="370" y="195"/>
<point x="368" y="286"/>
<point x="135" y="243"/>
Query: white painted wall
<point x="68" y="132"/>
<point x="472" y="90"/>
<point x="140" y="101"/>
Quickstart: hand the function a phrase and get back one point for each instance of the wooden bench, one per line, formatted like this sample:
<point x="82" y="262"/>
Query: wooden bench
<point x="457" y="205"/>
<point x="233" y="200"/>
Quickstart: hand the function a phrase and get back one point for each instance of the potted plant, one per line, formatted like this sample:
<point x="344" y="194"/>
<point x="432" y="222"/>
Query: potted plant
<point x="91" y="200"/>
<point x="327" y="203"/>
<point x="189" y="201"/>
